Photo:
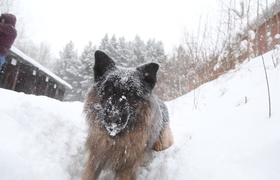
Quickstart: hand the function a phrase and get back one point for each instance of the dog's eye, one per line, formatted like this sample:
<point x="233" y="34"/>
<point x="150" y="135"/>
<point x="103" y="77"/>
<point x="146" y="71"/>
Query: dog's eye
<point x="109" y="91"/>
<point x="131" y="96"/>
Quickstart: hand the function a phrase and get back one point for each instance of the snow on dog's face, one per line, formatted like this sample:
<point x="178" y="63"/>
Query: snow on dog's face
<point x="121" y="91"/>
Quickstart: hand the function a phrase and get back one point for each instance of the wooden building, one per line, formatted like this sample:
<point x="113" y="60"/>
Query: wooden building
<point x="23" y="74"/>
<point x="267" y="29"/>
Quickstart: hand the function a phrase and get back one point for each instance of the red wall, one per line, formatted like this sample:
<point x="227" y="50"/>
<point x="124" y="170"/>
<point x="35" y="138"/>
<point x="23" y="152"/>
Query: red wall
<point x="261" y="44"/>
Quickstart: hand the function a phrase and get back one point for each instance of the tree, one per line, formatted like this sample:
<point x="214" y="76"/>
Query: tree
<point x="104" y="43"/>
<point x="154" y="51"/>
<point x="8" y="6"/>
<point x="138" y="51"/>
<point x="150" y="50"/>
<point x="125" y="52"/>
<point x="44" y="55"/>
<point x="40" y="53"/>
<point x="67" y="67"/>
<point x="86" y="70"/>
<point x="113" y="47"/>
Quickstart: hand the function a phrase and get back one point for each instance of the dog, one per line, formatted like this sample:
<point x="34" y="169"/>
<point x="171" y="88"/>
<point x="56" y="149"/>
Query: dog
<point x="125" y="119"/>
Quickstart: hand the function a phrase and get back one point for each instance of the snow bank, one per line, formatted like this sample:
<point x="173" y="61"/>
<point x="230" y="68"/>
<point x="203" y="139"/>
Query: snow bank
<point x="221" y="130"/>
<point x="40" y="138"/>
<point x="230" y="134"/>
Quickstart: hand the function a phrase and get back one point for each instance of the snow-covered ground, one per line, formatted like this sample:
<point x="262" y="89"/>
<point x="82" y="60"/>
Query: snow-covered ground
<point x="222" y="131"/>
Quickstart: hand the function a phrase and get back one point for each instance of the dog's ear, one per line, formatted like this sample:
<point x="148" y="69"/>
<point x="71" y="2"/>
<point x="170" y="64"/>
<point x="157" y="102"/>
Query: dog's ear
<point x="149" y="73"/>
<point x="103" y="63"/>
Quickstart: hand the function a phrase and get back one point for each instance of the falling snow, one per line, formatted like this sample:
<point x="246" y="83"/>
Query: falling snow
<point x="221" y="133"/>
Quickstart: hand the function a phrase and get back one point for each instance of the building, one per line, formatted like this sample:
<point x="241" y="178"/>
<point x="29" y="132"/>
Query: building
<point x="267" y="29"/>
<point x="23" y="74"/>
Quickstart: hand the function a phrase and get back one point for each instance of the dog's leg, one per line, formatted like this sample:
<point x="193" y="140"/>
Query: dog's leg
<point x="92" y="170"/>
<point x="129" y="173"/>
<point x="164" y="140"/>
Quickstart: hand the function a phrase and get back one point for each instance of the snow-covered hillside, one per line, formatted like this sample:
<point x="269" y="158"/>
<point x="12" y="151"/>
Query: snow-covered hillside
<point x="222" y="131"/>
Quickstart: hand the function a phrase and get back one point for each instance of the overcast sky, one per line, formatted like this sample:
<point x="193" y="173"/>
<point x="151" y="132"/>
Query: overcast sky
<point x="59" y="21"/>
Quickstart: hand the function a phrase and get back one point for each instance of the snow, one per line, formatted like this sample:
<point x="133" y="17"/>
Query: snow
<point x="277" y="36"/>
<point x="40" y="138"/>
<point x="221" y="130"/>
<point x="252" y="35"/>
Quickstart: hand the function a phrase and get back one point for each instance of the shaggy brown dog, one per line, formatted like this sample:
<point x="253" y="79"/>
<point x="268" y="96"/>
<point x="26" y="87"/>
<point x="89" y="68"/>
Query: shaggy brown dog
<point x="125" y="118"/>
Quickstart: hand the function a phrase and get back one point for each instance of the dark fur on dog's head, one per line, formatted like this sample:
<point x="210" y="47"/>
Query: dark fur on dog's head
<point x="121" y="90"/>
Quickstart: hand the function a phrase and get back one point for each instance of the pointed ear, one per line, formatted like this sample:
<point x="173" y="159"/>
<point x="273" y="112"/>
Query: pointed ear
<point x="149" y="73"/>
<point x="103" y="63"/>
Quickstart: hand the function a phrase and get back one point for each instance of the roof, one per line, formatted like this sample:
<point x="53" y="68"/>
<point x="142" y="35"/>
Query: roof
<point x="39" y="66"/>
<point x="267" y="14"/>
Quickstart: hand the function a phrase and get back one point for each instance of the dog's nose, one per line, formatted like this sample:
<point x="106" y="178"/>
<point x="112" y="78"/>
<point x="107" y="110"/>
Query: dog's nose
<point x="115" y="120"/>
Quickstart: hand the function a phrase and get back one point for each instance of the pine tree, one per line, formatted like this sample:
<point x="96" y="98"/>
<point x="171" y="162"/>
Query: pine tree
<point x="131" y="57"/>
<point x="154" y="51"/>
<point x="86" y="70"/>
<point x="138" y="51"/>
<point x="125" y="52"/>
<point x="160" y="53"/>
<point x="150" y="50"/>
<point x="67" y="68"/>
<point x="104" y="44"/>
<point x="113" y="48"/>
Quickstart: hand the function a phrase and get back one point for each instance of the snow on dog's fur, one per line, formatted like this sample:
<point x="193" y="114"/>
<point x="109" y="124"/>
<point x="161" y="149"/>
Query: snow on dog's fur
<point x="125" y="118"/>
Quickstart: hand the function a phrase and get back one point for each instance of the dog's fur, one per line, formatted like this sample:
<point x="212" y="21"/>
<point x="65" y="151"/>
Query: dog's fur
<point x="125" y="119"/>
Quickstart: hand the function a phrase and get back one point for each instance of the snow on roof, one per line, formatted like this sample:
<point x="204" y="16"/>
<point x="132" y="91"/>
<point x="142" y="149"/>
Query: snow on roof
<point x="38" y="65"/>
<point x="267" y="14"/>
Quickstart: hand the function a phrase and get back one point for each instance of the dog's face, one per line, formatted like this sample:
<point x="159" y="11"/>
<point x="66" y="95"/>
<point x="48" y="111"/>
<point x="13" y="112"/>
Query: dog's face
<point x="121" y="92"/>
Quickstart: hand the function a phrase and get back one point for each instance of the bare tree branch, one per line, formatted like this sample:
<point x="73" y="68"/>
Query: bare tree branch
<point x="268" y="91"/>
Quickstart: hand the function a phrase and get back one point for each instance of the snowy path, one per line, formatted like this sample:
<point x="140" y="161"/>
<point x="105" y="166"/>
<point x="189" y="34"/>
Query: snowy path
<point x="222" y="131"/>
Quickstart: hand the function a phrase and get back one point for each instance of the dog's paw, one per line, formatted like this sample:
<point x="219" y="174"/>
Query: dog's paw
<point x="165" y="140"/>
